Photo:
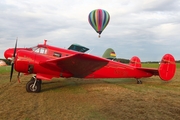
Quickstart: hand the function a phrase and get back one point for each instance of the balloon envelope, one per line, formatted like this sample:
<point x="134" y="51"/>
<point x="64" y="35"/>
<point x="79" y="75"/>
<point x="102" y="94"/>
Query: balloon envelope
<point x="99" y="19"/>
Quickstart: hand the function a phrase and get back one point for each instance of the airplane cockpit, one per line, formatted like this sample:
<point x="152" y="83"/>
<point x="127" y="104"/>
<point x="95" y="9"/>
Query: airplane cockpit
<point x="44" y="49"/>
<point x="41" y="50"/>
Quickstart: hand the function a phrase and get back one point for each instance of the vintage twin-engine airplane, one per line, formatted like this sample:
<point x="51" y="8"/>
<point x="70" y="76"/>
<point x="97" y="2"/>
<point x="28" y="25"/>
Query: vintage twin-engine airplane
<point x="47" y="61"/>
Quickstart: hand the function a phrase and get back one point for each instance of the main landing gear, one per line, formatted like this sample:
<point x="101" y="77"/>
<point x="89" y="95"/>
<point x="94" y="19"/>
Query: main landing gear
<point x="139" y="81"/>
<point x="34" y="85"/>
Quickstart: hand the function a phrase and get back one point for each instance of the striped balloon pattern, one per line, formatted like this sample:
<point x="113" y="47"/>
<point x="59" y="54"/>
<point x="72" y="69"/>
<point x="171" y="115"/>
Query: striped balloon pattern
<point x="99" y="19"/>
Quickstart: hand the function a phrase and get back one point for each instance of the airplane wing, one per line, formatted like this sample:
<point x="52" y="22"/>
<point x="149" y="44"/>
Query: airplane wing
<point x="80" y="65"/>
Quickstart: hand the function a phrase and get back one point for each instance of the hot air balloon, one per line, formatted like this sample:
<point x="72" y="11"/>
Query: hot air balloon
<point x="99" y="19"/>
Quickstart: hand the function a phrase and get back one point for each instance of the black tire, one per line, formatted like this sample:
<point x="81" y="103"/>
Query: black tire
<point x="30" y="84"/>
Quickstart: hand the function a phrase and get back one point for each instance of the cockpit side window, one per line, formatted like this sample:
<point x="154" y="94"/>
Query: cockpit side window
<point x="56" y="54"/>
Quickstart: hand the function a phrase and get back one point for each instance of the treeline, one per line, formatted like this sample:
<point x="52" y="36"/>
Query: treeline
<point x="122" y="60"/>
<point x="178" y="61"/>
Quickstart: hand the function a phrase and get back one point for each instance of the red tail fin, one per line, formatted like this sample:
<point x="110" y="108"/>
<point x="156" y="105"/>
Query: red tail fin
<point x="135" y="61"/>
<point x="167" y="67"/>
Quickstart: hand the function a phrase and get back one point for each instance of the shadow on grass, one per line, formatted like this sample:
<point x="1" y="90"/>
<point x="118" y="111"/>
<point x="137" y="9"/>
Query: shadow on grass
<point x="74" y="83"/>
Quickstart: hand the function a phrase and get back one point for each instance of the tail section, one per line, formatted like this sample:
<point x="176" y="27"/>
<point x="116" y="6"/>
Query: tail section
<point x="135" y="61"/>
<point x="109" y="54"/>
<point x="167" y="67"/>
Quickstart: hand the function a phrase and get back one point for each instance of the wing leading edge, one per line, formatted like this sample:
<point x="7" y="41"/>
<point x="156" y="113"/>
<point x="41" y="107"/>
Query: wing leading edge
<point x="79" y="65"/>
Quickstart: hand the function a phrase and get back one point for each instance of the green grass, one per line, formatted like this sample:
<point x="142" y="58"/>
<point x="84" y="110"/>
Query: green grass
<point x="5" y="69"/>
<point x="177" y="65"/>
<point x="150" y="65"/>
<point x="77" y="99"/>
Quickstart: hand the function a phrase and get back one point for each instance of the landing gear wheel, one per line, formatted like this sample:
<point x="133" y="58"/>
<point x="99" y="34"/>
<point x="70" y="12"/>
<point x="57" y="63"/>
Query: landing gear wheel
<point x="139" y="81"/>
<point x="33" y="86"/>
<point x="33" y="79"/>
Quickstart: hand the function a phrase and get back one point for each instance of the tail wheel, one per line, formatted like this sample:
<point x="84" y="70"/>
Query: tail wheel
<point x="33" y="86"/>
<point x="139" y="81"/>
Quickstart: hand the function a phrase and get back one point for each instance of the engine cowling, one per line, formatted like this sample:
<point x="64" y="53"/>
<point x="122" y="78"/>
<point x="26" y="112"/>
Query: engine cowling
<point x="24" y="61"/>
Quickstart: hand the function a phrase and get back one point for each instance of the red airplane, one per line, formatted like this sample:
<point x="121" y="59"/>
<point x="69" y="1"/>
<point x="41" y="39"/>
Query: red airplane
<point x="47" y="61"/>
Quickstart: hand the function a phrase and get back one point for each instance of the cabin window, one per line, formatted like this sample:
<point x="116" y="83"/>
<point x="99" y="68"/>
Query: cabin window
<point x="43" y="50"/>
<point x="57" y="54"/>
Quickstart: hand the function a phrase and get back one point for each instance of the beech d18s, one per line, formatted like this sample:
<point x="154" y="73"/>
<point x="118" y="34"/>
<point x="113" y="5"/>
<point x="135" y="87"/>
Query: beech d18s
<point x="45" y="62"/>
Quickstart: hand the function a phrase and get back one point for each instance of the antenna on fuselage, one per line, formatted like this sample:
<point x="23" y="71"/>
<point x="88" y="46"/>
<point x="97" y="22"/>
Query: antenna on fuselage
<point x="45" y="42"/>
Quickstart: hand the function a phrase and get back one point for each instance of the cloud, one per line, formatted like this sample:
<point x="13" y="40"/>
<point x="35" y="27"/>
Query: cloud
<point x="144" y="28"/>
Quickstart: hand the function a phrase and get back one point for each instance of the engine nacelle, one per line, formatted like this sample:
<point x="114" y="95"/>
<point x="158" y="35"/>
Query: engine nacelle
<point x="29" y="62"/>
<point x="24" y="61"/>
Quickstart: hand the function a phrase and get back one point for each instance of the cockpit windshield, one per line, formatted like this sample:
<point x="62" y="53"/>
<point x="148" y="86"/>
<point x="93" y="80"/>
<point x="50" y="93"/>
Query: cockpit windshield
<point x="41" y="50"/>
<point x="34" y="48"/>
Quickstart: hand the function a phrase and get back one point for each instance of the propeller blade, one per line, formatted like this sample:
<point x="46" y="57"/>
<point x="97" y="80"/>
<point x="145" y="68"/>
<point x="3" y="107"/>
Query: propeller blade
<point x="12" y="63"/>
<point x="12" y="67"/>
<point x="15" y="48"/>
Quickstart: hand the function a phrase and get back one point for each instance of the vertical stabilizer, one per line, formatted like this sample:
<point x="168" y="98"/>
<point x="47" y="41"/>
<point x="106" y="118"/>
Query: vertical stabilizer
<point x="135" y="61"/>
<point x="167" y="67"/>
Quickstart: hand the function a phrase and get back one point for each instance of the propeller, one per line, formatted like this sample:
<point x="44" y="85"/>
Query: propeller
<point x="12" y="63"/>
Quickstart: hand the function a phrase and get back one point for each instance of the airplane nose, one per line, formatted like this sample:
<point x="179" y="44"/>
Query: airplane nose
<point x="8" y="53"/>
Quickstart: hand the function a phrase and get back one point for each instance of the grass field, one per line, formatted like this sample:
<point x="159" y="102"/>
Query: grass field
<point x="102" y="99"/>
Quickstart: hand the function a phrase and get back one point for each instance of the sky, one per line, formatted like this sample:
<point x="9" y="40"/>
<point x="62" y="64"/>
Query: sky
<point x="144" y="28"/>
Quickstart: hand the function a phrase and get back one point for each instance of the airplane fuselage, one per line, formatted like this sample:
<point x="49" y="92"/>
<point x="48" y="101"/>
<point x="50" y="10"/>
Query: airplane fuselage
<point x="28" y="62"/>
